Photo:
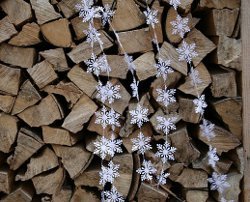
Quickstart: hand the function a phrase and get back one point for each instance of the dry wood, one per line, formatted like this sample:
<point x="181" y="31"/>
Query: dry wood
<point x="175" y="170"/>
<point x="187" y="110"/>
<point x="28" y="143"/>
<point x="237" y="156"/>
<point x="68" y="7"/>
<point x="196" y="195"/>
<point x="6" y="103"/>
<point x="219" y="4"/>
<point x="6" y="180"/>
<point x="7" y="29"/>
<point x="45" y="113"/>
<point x="29" y="35"/>
<point x="17" y="56"/>
<point x="82" y="195"/>
<point x="64" y="195"/>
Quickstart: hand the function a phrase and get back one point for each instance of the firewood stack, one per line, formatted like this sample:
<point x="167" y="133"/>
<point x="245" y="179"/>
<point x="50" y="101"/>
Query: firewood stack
<point x="48" y="102"/>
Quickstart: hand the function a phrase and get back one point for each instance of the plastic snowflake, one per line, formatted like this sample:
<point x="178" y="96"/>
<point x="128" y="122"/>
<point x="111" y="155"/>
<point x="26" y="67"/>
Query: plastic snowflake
<point x="165" y="152"/>
<point x="162" y="178"/>
<point x="166" y="124"/>
<point x="180" y="26"/>
<point x="92" y="35"/>
<point x="134" y="86"/>
<point x="114" y="146"/>
<point x="175" y="3"/>
<point x="129" y="60"/>
<point x="200" y="104"/>
<point x="139" y="115"/>
<point x="108" y="174"/>
<point x="166" y="96"/>
<point x="207" y="129"/>
<point x="108" y="92"/>
<point x="103" y="62"/>
<point x="107" y="14"/>
<point x="102" y="117"/>
<point x="93" y="65"/>
<point x="102" y="146"/>
<point x="163" y="68"/>
<point x="194" y="75"/>
<point x="147" y="170"/>
<point x="151" y="17"/>
<point x="141" y="144"/>
<point x="186" y="52"/>
<point x="218" y="182"/>
<point x="225" y="200"/>
<point x="113" y="119"/>
<point x="113" y="195"/>
<point x="212" y="156"/>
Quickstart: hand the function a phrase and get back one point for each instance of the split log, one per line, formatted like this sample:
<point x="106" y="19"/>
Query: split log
<point x="45" y="113"/>
<point x="175" y="170"/>
<point x="28" y="36"/>
<point x="187" y="110"/>
<point x="8" y="132"/>
<point x="64" y="195"/>
<point x="82" y="195"/>
<point x="219" y="4"/>
<point x="237" y="156"/>
<point x="196" y="195"/>
<point x="6" y="180"/>
<point x="57" y="33"/>
<point x="28" y="143"/>
<point x="17" y="56"/>
<point x="7" y="29"/>
<point x="10" y="79"/>
<point x="68" y="7"/>
<point x="6" y="103"/>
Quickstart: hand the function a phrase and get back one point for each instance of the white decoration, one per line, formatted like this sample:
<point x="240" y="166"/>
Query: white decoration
<point x="102" y="147"/>
<point x="207" y="129"/>
<point x="166" y="96"/>
<point x="165" y="152"/>
<point x="105" y="118"/>
<point x="146" y="171"/>
<point x="108" y="92"/>
<point x="141" y="144"/>
<point x="225" y="200"/>
<point x="129" y="60"/>
<point x="186" y="52"/>
<point x="108" y="174"/>
<point x="113" y="195"/>
<point x="107" y="14"/>
<point x="194" y="75"/>
<point x="114" y="146"/>
<point x="92" y="35"/>
<point x="96" y="65"/>
<point x="134" y="86"/>
<point x="200" y="104"/>
<point x="180" y="26"/>
<point x="163" y="68"/>
<point x="139" y="115"/>
<point x="113" y="119"/>
<point x="162" y="178"/>
<point x="151" y="16"/>
<point x="175" y="3"/>
<point x="212" y="156"/>
<point x="218" y="182"/>
<point x="166" y="124"/>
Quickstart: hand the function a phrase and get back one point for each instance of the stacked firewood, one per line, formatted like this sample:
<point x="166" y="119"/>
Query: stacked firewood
<point x="48" y="100"/>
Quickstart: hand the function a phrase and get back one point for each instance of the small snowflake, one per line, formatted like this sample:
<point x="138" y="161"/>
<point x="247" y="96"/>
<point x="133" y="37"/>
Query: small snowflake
<point x="162" y="178"/>
<point x="129" y="60"/>
<point x="107" y="14"/>
<point x="103" y="63"/>
<point x="166" y="124"/>
<point x="147" y="170"/>
<point x="108" y="92"/>
<point x="139" y="115"/>
<point x="93" y="65"/>
<point x="194" y="75"/>
<point x="114" y="146"/>
<point x="175" y="3"/>
<point x="212" y="156"/>
<point x="166" y="96"/>
<point x="102" y="117"/>
<point x="134" y="86"/>
<point x="165" y="152"/>
<point x="218" y="182"/>
<point x="200" y="104"/>
<point x="225" y="200"/>
<point x="108" y="174"/>
<point x="186" y="52"/>
<point x="92" y="35"/>
<point x="207" y="129"/>
<point x="163" y="68"/>
<point x="151" y="17"/>
<point x="180" y="26"/>
<point x="141" y="144"/>
<point x="102" y="147"/>
<point x="113" y="195"/>
<point x="113" y="119"/>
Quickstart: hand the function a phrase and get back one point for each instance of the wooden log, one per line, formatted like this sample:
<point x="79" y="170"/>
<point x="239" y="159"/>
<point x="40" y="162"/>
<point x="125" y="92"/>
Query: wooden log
<point x="28" y="36"/>
<point x="82" y="195"/>
<point x="68" y="7"/>
<point x="44" y="11"/>
<point x="17" y="56"/>
<point x="175" y="170"/>
<point x="45" y="113"/>
<point x="18" y="11"/>
<point x="8" y="132"/>
<point x="57" y="33"/>
<point x="219" y="4"/>
<point x="80" y="114"/>
<point x="6" y="180"/>
<point x="27" y="96"/>
<point x="158" y="26"/>
<point x="6" y="103"/>
<point x="64" y="195"/>
<point x="7" y="29"/>
<point x="237" y="157"/>
<point x="10" y="79"/>
<point x="28" y="143"/>
<point x="196" y="195"/>
<point x="75" y="159"/>
<point x="187" y="110"/>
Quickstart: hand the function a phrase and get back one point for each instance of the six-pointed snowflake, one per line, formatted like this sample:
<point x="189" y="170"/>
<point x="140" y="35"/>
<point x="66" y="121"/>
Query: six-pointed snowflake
<point x="225" y="200"/>
<point x="165" y="152"/>
<point x="108" y="92"/>
<point x="187" y="52"/>
<point x="139" y="115"/>
<point x="166" y="96"/>
<point x="93" y="65"/>
<point x="200" y="104"/>
<point x="207" y="129"/>
<point x="92" y="35"/>
<point x="101" y="147"/>
<point x="102" y="117"/>
<point x="218" y="182"/>
<point x="141" y="144"/>
<point x="163" y="68"/>
<point x="114" y="146"/>
<point x="113" y="195"/>
<point x="146" y="171"/>
<point x="166" y="124"/>
<point x="108" y="174"/>
<point x="151" y="17"/>
<point x="180" y="26"/>
<point x="129" y="60"/>
<point x="162" y="178"/>
<point x="113" y="118"/>
<point x="194" y="75"/>
<point x="175" y="3"/>
<point x="134" y="86"/>
<point x="212" y="156"/>
<point x="107" y="14"/>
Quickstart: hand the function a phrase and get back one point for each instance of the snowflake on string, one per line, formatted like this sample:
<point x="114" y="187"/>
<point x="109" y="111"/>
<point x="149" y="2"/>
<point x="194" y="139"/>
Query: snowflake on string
<point x="114" y="146"/>
<point x="163" y="68"/>
<point x="141" y="144"/>
<point x="108" y="174"/>
<point x="151" y="17"/>
<point x="212" y="156"/>
<point x="113" y="195"/>
<point x="166" y="124"/>
<point x="134" y="86"/>
<point x="113" y="119"/>
<point x="93" y="65"/>
<point x="225" y="200"/>
<point x="147" y="170"/>
<point x="108" y="92"/>
<point x="103" y="63"/>
<point x="207" y="129"/>
<point x="129" y="60"/>
<point x="92" y="35"/>
<point x="186" y="52"/>
<point x="165" y="152"/>
<point x="166" y="96"/>
<point x="139" y="115"/>
<point x="102" y="117"/>
<point x="180" y="26"/>
<point x="200" y="104"/>
<point x="162" y="178"/>
<point x="107" y="14"/>
<point x="218" y="182"/>
<point x="102" y="146"/>
<point x="175" y="3"/>
<point x="194" y="75"/>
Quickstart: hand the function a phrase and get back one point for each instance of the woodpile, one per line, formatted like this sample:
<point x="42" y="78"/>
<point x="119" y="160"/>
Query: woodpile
<point x="48" y="100"/>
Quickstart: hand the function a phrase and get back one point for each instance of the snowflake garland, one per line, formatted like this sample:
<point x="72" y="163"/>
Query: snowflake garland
<point x="141" y="144"/>
<point x="207" y="129"/>
<point x="187" y="52"/>
<point x="151" y="17"/>
<point x="134" y="86"/>
<point x="92" y="35"/>
<point x="107" y="118"/>
<point x="165" y="152"/>
<point x="139" y="115"/>
<point x="166" y="124"/>
<point x="163" y="68"/>
<point x="175" y="3"/>
<point x="162" y="178"/>
<point x="107" y="14"/>
<point x="200" y="104"/>
<point x="166" y="96"/>
<point x="109" y="173"/>
<point x="108" y="92"/>
<point x="194" y="75"/>
<point x="146" y="170"/>
<point x="112" y="196"/>
<point x="180" y="26"/>
<point x="212" y="157"/>
<point x="218" y="182"/>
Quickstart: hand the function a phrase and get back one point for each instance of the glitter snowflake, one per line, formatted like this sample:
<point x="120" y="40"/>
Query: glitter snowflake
<point x="151" y="17"/>
<point x="147" y="170"/>
<point x="139" y="115"/>
<point x="180" y="26"/>
<point x="113" y="119"/>
<point x="129" y="60"/>
<point x="107" y="14"/>
<point x="218" y="182"/>
<point x="175" y="3"/>
<point x="194" y="75"/>
<point x="166" y="124"/>
<point x="134" y="86"/>
<point x="162" y="178"/>
<point x="114" y="146"/>
<point x="108" y="174"/>
<point x="102" y="117"/>
<point x="92" y="35"/>
<point x="165" y="152"/>
<point x="166" y="96"/>
<point x="163" y="68"/>
<point x="141" y="144"/>
<point x="200" y="104"/>
<point x="108" y="92"/>
<point x="113" y="195"/>
<point x="102" y="147"/>
<point x="212" y="156"/>
<point x="186" y="52"/>
<point x="207" y="129"/>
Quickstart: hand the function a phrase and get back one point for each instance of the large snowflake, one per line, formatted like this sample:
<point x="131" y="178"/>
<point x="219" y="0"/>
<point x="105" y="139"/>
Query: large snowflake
<point x="175" y="3"/>
<point x="166" y="96"/>
<point x="105" y="118"/>
<point x="113" y="119"/>
<point x="200" y="104"/>
<point x="102" y="147"/>
<point x="151" y="17"/>
<point x="162" y="178"/>
<point x="107" y="14"/>
<point x="139" y="115"/>
<point x="207" y="129"/>
<point x="147" y="170"/>
<point x="113" y="195"/>
<point x="108" y="92"/>
<point x="109" y="173"/>
<point x="166" y="124"/>
<point x="92" y="35"/>
<point x="163" y="68"/>
<point x="180" y="26"/>
<point x="212" y="156"/>
<point x="165" y="152"/>
<point x="141" y="144"/>
<point x="187" y="52"/>
<point x="218" y="182"/>
<point x="114" y="146"/>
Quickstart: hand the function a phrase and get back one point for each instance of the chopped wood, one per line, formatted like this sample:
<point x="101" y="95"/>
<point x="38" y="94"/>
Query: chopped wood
<point x="64" y="195"/>
<point x="44" y="11"/>
<point x="196" y="195"/>
<point x="6" y="103"/>
<point x="158" y="26"/>
<point x="57" y="33"/>
<point x="237" y="156"/>
<point x="17" y="56"/>
<point x="68" y="7"/>
<point x="175" y="170"/>
<point x="219" y="4"/>
<point x="28" y="143"/>
<point x="6" y="180"/>
<point x="28" y="36"/>
<point x="45" y="113"/>
<point x="7" y="29"/>
<point x="8" y="132"/>
<point x="187" y="110"/>
<point x="10" y="79"/>
<point x="82" y="195"/>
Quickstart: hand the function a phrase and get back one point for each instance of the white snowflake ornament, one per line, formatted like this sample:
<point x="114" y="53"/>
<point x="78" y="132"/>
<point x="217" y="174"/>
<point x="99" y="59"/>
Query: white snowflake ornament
<point x="141" y="144"/>
<point x="166" y="96"/>
<point x="92" y="35"/>
<point x="113" y="195"/>
<point x="129" y="60"/>
<point x="93" y="65"/>
<point x="139" y="115"/>
<point x="218" y="182"/>
<point x="165" y="152"/>
<point x="187" y="52"/>
<point x="113" y="118"/>
<point x="207" y="129"/>
<point x="166" y="124"/>
<point x="200" y="104"/>
<point x="151" y="17"/>
<point x="107" y="14"/>
<point x="102" y="117"/>
<point x="163" y="68"/>
<point x="180" y="26"/>
<point x="175" y="3"/>
<point x="108" y="174"/>
<point x="114" y="146"/>
<point x="225" y="200"/>
<point x="147" y="170"/>
<point x="212" y="157"/>
<point x="162" y="178"/>
<point x="134" y="86"/>
<point x="102" y="147"/>
<point x="108" y="92"/>
<point x="194" y="75"/>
